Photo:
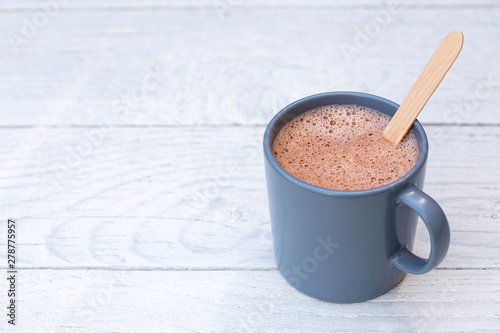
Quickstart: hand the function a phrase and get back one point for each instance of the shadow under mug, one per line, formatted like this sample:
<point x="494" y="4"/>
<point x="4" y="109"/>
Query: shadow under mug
<point x="350" y="246"/>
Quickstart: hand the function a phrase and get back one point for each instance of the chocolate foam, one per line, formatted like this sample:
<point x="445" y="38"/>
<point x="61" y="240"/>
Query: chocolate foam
<point x="340" y="147"/>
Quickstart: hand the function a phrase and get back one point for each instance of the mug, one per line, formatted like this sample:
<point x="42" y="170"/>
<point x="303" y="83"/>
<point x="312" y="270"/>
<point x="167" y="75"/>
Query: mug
<point x="350" y="246"/>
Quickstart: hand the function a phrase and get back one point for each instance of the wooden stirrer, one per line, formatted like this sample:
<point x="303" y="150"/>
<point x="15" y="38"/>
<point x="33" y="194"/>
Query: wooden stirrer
<point x="432" y="75"/>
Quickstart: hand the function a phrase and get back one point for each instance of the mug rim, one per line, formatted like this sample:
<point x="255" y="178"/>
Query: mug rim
<point x="417" y="127"/>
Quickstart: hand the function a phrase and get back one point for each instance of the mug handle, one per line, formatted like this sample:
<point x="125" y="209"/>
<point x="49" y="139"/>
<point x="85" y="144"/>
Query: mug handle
<point x="437" y="225"/>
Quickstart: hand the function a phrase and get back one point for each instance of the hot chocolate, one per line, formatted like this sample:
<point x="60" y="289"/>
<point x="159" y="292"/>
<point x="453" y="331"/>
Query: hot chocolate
<point x="340" y="147"/>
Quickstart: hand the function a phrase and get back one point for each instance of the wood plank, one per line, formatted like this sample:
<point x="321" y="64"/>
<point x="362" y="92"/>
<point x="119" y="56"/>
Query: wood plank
<point x="195" y="68"/>
<point x="196" y="197"/>
<point x="145" y="242"/>
<point x="247" y="301"/>
<point x="233" y="4"/>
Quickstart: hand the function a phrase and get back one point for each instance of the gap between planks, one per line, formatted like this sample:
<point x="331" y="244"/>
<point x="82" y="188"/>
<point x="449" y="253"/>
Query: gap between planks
<point x="258" y="6"/>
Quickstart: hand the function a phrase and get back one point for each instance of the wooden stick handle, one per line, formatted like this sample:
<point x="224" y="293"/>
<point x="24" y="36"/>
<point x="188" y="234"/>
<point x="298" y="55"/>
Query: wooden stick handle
<point x="432" y="75"/>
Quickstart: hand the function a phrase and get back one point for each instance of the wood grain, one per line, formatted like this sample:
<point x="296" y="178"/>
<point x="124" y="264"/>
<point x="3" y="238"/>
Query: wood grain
<point x="248" y="301"/>
<point x="137" y="243"/>
<point x="432" y="75"/>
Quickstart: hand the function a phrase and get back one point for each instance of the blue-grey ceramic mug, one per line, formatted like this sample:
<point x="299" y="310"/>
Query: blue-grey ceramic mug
<point x="350" y="246"/>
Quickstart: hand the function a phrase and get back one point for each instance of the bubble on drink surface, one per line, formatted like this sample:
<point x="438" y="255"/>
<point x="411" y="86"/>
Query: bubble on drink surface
<point x="314" y="148"/>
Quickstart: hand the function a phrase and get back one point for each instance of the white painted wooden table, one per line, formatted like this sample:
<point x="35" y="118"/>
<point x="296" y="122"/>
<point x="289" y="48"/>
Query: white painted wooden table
<point x="132" y="164"/>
